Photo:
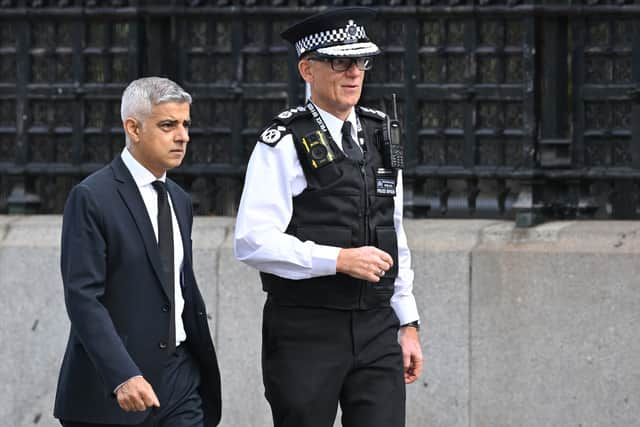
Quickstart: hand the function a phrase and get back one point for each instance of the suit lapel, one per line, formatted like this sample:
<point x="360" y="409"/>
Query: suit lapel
<point x="130" y="194"/>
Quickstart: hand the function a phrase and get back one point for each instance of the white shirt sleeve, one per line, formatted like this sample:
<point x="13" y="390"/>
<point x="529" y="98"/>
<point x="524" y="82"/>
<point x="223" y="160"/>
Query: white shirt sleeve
<point x="274" y="176"/>
<point x="403" y="301"/>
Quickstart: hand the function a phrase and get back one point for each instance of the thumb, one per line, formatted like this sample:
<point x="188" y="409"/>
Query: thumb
<point x="150" y="398"/>
<point x="154" y="400"/>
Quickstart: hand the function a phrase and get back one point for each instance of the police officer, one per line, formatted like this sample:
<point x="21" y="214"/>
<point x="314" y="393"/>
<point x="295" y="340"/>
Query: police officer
<point x="321" y="218"/>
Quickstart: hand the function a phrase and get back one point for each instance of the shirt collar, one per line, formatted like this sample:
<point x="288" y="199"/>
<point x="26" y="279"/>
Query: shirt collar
<point x="334" y="124"/>
<point x="141" y="175"/>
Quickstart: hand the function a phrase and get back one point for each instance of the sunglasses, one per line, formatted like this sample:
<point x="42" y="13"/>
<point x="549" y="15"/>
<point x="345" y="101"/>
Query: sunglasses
<point x="343" y="64"/>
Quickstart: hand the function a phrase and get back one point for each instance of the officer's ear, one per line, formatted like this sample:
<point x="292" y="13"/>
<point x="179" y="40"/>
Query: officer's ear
<point x="304" y="68"/>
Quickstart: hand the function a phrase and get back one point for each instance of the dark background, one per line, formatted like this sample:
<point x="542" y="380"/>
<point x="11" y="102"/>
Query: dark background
<point x="525" y="110"/>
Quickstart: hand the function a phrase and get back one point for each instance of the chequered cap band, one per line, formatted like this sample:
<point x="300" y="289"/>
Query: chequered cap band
<point x="352" y="33"/>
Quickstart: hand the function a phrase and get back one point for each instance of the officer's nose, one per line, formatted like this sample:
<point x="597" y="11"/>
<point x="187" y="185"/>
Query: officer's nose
<point x="353" y="70"/>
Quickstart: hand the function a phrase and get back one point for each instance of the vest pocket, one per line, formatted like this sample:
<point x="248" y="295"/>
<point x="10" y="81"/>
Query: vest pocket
<point x="388" y="242"/>
<point x="329" y="235"/>
<point x="327" y="175"/>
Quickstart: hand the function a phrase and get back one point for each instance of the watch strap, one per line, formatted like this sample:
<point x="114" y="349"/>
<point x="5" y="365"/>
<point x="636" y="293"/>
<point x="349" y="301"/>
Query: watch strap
<point x="414" y="324"/>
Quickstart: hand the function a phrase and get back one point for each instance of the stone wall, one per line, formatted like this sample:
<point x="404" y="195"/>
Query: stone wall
<point x="527" y="328"/>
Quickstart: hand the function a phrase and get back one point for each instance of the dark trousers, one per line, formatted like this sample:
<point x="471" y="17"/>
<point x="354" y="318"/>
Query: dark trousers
<point x="180" y="402"/>
<point x="313" y="358"/>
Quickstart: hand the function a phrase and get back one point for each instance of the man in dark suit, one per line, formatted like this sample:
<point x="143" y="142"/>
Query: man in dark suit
<point x="139" y="350"/>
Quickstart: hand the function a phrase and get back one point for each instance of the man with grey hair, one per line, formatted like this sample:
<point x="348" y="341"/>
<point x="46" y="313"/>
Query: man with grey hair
<point x="139" y="350"/>
<point x="321" y="218"/>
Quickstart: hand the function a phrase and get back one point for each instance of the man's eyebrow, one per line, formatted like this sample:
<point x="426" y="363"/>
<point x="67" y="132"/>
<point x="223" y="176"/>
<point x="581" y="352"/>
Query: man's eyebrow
<point x="172" y="121"/>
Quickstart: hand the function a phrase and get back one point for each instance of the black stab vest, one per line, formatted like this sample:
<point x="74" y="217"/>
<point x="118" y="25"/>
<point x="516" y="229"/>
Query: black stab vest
<point x="339" y="208"/>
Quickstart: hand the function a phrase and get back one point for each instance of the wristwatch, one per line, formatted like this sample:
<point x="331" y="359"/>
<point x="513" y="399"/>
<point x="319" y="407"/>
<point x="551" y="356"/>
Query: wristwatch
<point x="414" y="324"/>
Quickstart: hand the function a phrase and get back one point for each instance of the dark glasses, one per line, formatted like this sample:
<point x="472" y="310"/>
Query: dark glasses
<point x="343" y="64"/>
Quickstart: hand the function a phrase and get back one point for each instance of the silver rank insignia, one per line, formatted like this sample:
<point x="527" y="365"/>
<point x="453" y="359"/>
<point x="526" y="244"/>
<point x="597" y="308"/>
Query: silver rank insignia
<point x="285" y="114"/>
<point x="372" y="111"/>
<point x="272" y="135"/>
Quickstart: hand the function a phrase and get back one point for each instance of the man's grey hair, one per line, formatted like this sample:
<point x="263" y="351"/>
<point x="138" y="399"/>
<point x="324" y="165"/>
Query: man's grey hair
<point x="139" y="98"/>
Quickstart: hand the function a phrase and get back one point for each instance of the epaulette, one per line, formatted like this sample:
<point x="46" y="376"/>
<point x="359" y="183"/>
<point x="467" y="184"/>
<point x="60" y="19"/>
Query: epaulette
<point x="272" y="134"/>
<point x="370" y="112"/>
<point x="287" y="116"/>
<point x="278" y="128"/>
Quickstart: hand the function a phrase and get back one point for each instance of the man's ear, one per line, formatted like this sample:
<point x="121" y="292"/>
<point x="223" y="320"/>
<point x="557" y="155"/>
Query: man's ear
<point x="304" y="68"/>
<point x="132" y="129"/>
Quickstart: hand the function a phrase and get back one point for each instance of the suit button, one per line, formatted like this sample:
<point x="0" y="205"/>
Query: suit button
<point x="165" y="308"/>
<point x="162" y="345"/>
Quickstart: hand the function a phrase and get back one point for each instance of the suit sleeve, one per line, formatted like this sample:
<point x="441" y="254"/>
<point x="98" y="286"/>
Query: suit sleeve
<point x="84" y="273"/>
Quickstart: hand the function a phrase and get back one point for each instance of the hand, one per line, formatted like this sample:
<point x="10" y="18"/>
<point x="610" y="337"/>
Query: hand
<point x="411" y="353"/>
<point x="366" y="262"/>
<point x="136" y="395"/>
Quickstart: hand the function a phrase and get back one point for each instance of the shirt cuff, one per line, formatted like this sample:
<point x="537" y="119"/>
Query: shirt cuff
<point x="115" y="390"/>
<point x="405" y="308"/>
<point x="323" y="260"/>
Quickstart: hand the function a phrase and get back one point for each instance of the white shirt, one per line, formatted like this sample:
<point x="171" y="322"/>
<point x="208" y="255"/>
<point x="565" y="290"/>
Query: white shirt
<point x="143" y="178"/>
<point x="274" y="177"/>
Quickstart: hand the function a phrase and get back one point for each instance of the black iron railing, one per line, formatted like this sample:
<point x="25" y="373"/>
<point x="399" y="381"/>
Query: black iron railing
<point x="511" y="109"/>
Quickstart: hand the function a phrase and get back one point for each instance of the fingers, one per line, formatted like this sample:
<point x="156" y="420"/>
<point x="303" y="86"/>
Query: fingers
<point x="379" y="263"/>
<point x="386" y="258"/>
<point x="130" y="403"/>
<point x="406" y="362"/>
<point x="412" y="359"/>
<point x="417" y="368"/>
<point x="409" y="376"/>
<point x="151" y="399"/>
<point x="136" y="395"/>
<point x="381" y="260"/>
<point x="412" y="370"/>
<point x="374" y="274"/>
<point x="366" y="262"/>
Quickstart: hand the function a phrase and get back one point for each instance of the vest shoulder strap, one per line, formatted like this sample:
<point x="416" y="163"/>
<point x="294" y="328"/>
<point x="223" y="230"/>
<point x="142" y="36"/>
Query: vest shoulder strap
<point x="372" y="122"/>
<point x="370" y="113"/>
<point x="281" y="125"/>
<point x="288" y="116"/>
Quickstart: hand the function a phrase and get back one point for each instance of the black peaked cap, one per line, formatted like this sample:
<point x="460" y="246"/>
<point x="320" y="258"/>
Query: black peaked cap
<point x="335" y="33"/>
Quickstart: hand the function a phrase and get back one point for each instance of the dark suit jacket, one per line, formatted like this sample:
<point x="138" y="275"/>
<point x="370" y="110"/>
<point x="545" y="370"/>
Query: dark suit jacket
<point x="117" y="301"/>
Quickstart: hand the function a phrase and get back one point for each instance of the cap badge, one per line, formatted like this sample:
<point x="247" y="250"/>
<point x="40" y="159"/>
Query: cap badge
<point x="351" y="30"/>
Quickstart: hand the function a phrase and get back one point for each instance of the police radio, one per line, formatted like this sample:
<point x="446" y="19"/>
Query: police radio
<point x="392" y="140"/>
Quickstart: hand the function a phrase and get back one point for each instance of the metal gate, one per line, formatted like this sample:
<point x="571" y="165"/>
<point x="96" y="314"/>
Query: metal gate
<point x="511" y="109"/>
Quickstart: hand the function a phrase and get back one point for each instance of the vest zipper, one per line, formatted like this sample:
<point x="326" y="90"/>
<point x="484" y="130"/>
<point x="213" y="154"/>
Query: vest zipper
<point x="365" y="216"/>
<point x="363" y="172"/>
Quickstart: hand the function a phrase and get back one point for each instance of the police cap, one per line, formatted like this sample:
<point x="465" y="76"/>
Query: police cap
<point x="336" y="33"/>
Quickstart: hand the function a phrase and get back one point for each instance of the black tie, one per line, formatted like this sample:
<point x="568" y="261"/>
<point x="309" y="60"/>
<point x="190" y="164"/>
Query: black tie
<point x="349" y="147"/>
<point x="165" y="244"/>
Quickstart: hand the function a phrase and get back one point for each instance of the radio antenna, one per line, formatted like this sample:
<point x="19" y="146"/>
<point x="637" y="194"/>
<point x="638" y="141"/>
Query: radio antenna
<point x="395" y="107"/>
